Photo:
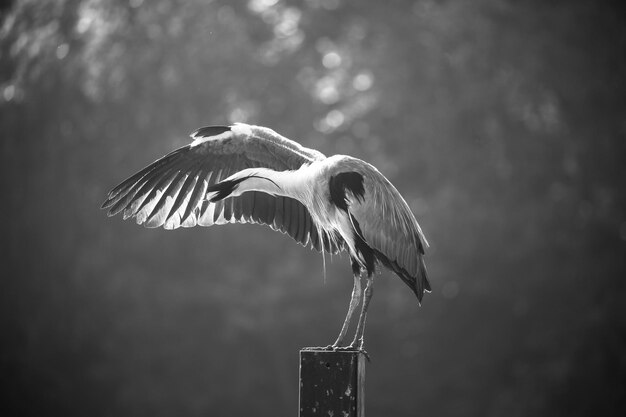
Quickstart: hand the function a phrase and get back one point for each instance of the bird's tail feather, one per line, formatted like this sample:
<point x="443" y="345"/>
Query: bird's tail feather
<point x="422" y="276"/>
<point x="419" y="283"/>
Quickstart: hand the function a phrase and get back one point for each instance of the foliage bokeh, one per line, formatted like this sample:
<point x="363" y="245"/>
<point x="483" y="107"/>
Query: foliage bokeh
<point x="501" y="122"/>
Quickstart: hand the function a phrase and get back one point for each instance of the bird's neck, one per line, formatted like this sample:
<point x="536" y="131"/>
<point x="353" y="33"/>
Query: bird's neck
<point x="277" y="183"/>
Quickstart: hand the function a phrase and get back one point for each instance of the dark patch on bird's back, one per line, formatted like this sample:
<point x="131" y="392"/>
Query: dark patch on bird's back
<point x="208" y="131"/>
<point x="338" y="184"/>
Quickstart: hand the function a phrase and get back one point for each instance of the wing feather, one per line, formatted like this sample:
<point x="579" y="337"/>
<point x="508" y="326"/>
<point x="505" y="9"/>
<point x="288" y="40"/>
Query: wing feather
<point x="294" y="225"/>
<point x="302" y="230"/>
<point x="184" y="193"/>
<point x="163" y="206"/>
<point x="246" y="203"/>
<point x="287" y="213"/>
<point x="156" y="191"/>
<point x="264" y="207"/>
<point x="155" y="169"/>
<point x="171" y="192"/>
<point x="197" y="194"/>
<point x="227" y="209"/>
<point x="279" y="214"/>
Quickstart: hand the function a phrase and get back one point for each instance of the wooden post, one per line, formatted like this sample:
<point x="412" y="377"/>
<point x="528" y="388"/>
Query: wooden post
<point x="332" y="383"/>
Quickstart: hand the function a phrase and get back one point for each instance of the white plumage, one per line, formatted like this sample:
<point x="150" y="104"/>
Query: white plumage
<point x="251" y="174"/>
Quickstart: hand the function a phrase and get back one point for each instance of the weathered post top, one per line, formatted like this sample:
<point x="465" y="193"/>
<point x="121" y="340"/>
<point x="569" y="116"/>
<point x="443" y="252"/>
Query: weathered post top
<point x="332" y="383"/>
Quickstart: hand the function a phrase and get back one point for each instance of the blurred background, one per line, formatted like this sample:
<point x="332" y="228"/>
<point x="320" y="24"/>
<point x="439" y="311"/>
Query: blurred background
<point x="502" y="123"/>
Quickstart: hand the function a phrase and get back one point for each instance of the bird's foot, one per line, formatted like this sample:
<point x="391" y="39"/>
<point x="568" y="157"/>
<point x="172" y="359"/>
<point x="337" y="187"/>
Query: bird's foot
<point x="335" y="348"/>
<point x="328" y="348"/>
<point x="352" y="348"/>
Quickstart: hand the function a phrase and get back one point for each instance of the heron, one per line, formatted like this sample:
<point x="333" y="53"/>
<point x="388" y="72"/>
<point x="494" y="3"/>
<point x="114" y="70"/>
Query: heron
<point x="250" y="174"/>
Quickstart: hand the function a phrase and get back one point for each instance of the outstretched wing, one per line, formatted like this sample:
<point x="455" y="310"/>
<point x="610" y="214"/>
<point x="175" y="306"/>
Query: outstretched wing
<point x="390" y="228"/>
<point x="171" y="191"/>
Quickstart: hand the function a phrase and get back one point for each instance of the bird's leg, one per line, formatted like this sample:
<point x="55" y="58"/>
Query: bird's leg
<point x="354" y="302"/>
<point x="357" y="343"/>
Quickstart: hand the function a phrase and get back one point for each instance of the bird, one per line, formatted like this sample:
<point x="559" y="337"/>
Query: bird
<point x="250" y="174"/>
